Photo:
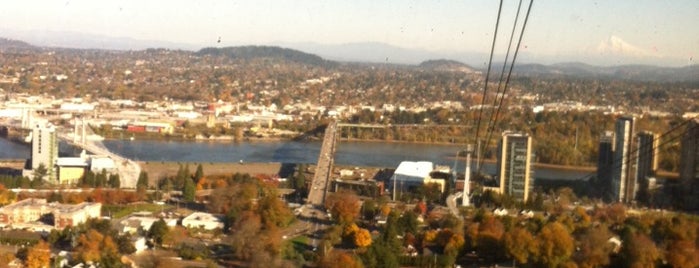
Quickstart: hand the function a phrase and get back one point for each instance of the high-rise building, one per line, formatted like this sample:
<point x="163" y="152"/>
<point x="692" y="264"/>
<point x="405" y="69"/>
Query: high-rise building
<point x="647" y="160"/>
<point x="623" y="181"/>
<point x="605" y="160"/>
<point x="514" y="165"/>
<point x="689" y="165"/>
<point x="44" y="147"/>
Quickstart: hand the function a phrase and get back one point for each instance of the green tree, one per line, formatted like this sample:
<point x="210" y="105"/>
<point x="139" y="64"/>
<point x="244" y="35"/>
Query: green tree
<point x="199" y="173"/>
<point x="189" y="190"/>
<point x="40" y="172"/>
<point x="157" y="231"/>
<point x="142" y="183"/>
<point x="114" y="181"/>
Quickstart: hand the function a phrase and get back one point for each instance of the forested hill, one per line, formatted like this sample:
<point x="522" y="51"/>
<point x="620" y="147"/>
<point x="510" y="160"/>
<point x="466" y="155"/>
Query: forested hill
<point x="249" y="52"/>
<point x="10" y="44"/>
<point x="445" y="65"/>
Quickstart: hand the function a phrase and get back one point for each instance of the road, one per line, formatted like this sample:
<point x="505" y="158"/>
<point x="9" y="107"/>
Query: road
<point x="318" y="190"/>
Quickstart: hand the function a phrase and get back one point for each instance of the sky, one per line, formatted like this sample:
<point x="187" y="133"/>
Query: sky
<point x="663" y="32"/>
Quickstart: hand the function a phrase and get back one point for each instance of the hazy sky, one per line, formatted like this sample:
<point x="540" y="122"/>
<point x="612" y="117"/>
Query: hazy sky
<point x="654" y="30"/>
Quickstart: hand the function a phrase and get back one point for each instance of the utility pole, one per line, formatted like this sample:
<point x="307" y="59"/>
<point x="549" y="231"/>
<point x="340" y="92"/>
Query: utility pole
<point x="467" y="177"/>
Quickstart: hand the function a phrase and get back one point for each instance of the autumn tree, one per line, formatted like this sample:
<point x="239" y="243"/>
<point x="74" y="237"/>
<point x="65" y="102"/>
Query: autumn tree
<point x="683" y="253"/>
<point x="555" y="245"/>
<point x="362" y="238"/>
<point x="93" y="246"/>
<point x="520" y="245"/>
<point x="638" y="250"/>
<point x="39" y="256"/>
<point x="344" y="206"/>
<point x="6" y="196"/>
<point x="594" y="248"/>
<point x="338" y="259"/>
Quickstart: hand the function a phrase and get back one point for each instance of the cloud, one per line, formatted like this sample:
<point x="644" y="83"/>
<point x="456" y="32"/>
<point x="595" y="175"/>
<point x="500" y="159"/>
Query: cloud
<point x="615" y="46"/>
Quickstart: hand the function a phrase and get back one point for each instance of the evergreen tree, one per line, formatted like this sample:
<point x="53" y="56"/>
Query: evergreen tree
<point x="199" y="173"/>
<point x="189" y="190"/>
<point x="114" y="181"/>
<point x="142" y="183"/>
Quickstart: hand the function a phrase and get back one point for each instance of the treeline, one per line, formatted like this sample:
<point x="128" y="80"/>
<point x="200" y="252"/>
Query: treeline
<point x="561" y="236"/>
<point x="561" y="138"/>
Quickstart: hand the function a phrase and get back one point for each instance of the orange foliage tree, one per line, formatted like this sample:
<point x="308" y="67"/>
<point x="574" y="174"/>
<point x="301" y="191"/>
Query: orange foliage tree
<point x="39" y="256"/>
<point x="344" y="206"/>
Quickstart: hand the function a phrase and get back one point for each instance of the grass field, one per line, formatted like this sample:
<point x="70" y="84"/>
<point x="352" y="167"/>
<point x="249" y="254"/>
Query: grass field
<point x="157" y="170"/>
<point x="120" y="211"/>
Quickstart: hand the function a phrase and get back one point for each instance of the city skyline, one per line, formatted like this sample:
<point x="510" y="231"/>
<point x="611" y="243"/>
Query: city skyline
<point x="600" y="33"/>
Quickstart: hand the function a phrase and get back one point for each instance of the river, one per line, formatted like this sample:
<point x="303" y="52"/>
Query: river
<point x="373" y="154"/>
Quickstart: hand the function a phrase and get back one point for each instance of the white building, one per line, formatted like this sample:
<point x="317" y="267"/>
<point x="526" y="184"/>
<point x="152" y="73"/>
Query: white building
<point x="202" y="220"/>
<point x="28" y="214"/>
<point x="410" y="174"/>
<point x="44" y="147"/>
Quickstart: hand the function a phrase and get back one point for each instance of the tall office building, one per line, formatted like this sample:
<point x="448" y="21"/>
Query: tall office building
<point x="514" y="165"/>
<point x="689" y="165"/>
<point x="605" y="161"/>
<point x="623" y="181"/>
<point x="44" y="147"/>
<point x="647" y="160"/>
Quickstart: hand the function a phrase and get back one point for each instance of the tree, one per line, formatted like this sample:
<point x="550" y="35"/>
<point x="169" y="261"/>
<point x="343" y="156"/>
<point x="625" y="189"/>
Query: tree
<point x="88" y="249"/>
<point x="338" y="259"/>
<point x="199" y="173"/>
<point x="39" y="256"/>
<point x="157" y="231"/>
<point x="555" y="245"/>
<point x="519" y="245"/>
<point x="114" y="181"/>
<point x="40" y="172"/>
<point x="407" y="223"/>
<point x="594" y="248"/>
<point x="189" y="190"/>
<point x="380" y="254"/>
<point x="344" y="207"/>
<point x="362" y="238"/>
<point x="93" y="246"/>
<point x="6" y="196"/>
<point x="638" y="250"/>
<point x="683" y="253"/>
<point x="142" y="184"/>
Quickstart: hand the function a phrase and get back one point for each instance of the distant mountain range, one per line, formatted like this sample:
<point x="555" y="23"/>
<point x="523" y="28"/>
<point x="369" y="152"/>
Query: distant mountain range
<point x="629" y="72"/>
<point x="325" y="55"/>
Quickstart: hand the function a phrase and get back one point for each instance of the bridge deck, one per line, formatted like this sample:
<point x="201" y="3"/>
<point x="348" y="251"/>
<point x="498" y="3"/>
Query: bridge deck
<point x="320" y="183"/>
